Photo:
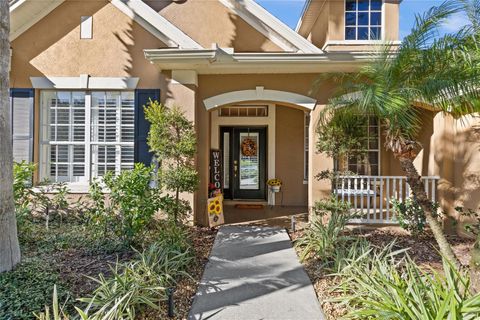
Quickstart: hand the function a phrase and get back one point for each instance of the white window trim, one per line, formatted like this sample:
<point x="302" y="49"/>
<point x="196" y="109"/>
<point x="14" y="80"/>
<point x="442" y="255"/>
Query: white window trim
<point x="369" y="41"/>
<point x="85" y="82"/>
<point x="86" y="27"/>
<point x="378" y="150"/>
<point x="76" y="186"/>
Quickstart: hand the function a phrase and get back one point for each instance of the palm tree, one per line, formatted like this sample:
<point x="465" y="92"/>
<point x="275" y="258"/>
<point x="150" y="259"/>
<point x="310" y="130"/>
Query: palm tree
<point x="424" y="70"/>
<point x="9" y="247"/>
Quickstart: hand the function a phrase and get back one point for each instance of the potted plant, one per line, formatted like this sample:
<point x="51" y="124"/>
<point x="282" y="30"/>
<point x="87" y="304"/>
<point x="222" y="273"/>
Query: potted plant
<point x="274" y="184"/>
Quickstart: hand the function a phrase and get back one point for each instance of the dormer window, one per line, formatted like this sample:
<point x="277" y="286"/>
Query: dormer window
<point x="363" y="19"/>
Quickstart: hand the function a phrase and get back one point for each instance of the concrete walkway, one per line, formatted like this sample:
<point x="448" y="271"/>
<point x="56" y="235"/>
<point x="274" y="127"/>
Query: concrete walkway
<point x="254" y="273"/>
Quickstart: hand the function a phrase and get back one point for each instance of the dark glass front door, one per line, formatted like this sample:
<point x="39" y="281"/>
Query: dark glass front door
<point x="244" y="157"/>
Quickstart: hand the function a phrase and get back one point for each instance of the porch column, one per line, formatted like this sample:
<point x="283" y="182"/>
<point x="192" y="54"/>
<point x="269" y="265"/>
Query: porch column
<point x="318" y="162"/>
<point x="182" y="91"/>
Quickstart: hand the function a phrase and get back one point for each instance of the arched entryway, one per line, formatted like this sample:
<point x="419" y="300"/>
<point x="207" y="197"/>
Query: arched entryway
<point x="276" y="124"/>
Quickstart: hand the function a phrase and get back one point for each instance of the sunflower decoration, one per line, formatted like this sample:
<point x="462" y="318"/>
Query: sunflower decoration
<point x="249" y="147"/>
<point x="274" y="182"/>
<point x="215" y="208"/>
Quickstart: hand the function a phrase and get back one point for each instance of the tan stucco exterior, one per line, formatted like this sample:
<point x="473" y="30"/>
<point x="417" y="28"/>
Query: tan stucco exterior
<point x="289" y="157"/>
<point x="210" y="22"/>
<point x="53" y="48"/>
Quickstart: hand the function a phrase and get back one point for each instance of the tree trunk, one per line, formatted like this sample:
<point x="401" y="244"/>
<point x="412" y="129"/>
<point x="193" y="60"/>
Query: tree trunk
<point x="9" y="246"/>
<point x="418" y="189"/>
<point x="177" y="202"/>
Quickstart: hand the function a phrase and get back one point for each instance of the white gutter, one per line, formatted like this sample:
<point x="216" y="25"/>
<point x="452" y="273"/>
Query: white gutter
<point x="279" y="58"/>
<point x="213" y="55"/>
<point x="154" y="55"/>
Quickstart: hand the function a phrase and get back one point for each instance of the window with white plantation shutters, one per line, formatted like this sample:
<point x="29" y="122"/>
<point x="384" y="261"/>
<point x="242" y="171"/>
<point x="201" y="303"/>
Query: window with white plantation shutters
<point x="21" y="104"/>
<point x="112" y="128"/>
<point x="63" y="136"/>
<point x="86" y="134"/>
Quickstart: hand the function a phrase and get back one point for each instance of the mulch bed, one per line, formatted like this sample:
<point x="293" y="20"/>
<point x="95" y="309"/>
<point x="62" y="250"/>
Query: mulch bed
<point x="423" y="250"/>
<point x="76" y="265"/>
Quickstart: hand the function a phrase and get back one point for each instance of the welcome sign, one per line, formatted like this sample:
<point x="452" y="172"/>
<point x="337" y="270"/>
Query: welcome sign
<point x="216" y="169"/>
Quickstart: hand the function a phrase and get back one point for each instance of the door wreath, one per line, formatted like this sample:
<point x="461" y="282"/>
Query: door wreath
<point x="249" y="147"/>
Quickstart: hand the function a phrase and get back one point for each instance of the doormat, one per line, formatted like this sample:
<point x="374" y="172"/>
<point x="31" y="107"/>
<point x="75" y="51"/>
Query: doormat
<point x="249" y="206"/>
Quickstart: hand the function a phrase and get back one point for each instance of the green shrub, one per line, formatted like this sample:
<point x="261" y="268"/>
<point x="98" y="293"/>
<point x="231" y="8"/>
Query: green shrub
<point x="22" y="183"/>
<point x="51" y="200"/>
<point x="173" y="236"/>
<point x="137" y="285"/>
<point x="131" y="204"/>
<point x="27" y="289"/>
<point x="354" y="249"/>
<point x="410" y="215"/>
<point x="322" y="240"/>
<point x="100" y="216"/>
<point x="384" y="286"/>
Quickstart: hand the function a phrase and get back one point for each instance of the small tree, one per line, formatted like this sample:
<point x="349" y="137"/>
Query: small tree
<point x="172" y="139"/>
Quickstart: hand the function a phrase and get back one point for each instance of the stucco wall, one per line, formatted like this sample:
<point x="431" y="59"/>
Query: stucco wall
<point x="53" y="47"/>
<point x="289" y="157"/>
<point x="209" y="22"/>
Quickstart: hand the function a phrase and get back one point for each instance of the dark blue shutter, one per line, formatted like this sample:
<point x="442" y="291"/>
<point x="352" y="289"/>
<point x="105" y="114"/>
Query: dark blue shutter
<point x="22" y="93"/>
<point x="22" y="123"/>
<point x="142" y="126"/>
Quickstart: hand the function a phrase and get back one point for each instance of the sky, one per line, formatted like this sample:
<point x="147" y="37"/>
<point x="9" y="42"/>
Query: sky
<point x="289" y="12"/>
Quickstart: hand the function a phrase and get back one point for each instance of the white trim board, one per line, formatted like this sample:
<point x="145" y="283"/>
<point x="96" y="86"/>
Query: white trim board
<point x="84" y="82"/>
<point x="272" y="28"/>
<point x="153" y="22"/>
<point x="25" y="13"/>
<point x="260" y="94"/>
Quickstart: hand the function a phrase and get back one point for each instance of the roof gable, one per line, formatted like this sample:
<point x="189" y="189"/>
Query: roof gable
<point x="212" y="23"/>
<point x="270" y="26"/>
<point x="25" y="13"/>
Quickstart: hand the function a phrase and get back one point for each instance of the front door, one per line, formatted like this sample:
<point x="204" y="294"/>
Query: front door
<point x="244" y="157"/>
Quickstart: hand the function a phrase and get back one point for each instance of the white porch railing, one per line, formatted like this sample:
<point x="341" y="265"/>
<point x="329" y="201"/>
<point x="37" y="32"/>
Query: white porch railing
<point x="371" y="196"/>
